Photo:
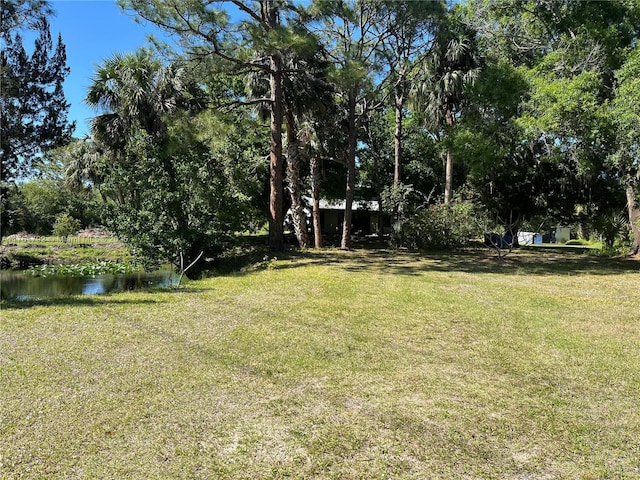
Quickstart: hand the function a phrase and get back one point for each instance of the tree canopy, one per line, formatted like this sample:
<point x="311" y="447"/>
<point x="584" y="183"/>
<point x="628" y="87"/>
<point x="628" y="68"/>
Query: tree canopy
<point x="33" y="107"/>
<point x="366" y="99"/>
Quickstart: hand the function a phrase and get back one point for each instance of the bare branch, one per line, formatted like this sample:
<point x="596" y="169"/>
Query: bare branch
<point x="184" y="270"/>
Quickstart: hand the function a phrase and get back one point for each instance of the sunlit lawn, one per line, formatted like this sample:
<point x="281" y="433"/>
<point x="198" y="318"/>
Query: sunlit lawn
<point x="340" y="365"/>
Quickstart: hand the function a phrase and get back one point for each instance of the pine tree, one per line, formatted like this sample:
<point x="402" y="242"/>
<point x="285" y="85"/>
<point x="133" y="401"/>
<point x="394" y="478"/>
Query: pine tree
<point x="206" y="29"/>
<point x="33" y="108"/>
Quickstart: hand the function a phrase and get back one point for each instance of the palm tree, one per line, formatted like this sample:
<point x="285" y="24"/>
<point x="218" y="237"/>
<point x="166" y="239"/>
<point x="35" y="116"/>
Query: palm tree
<point x="133" y="91"/>
<point x="84" y="160"/>
<point x="136" y="91"/>
<point x="135" y="96"/>
<point x="445" y="77"/>
<point x="307" y="95"/>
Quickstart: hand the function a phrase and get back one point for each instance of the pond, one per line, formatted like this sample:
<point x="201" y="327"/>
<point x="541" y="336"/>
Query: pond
<point x="21" y="285"/>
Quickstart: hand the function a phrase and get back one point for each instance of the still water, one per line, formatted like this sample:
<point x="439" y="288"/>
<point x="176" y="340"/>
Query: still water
<point x="23" y="286"/>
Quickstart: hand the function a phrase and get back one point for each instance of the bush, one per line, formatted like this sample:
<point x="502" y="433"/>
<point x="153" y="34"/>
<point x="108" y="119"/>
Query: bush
<point x="610" y="227"/>
<point x="439" y="227"/>
<point x="65" y="225"/>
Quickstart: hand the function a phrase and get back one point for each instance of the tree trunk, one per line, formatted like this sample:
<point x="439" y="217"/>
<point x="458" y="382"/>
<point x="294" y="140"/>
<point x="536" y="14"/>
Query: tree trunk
<point x="397" y="146"/>
<point x="379" y="188"/>
<point x="315" y="191"/>
<point x="634" y="215"/>
<point x="448" y="180"/>
<point x="397" y="135"/>
<point x="380" y="221"/>
<point x="120" y="195"/>
<point x="294" y="181"/>
<point x="351" y="172"/>
<point x="276" y="214"/>
<point x="378" y="182"/>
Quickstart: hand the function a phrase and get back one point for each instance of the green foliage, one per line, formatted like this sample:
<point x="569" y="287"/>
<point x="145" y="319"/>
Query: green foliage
<point x="570" y="108"/>
<point x="178" y="200"/>
<point x="618" y="249"/>
<point x="32" y="104"/>
<point x="258" y="37"/>
<point x="625" y="110"/>
<point x="37" y="203"/>
<point x="439" y="226"/>
<point x="610" y="226"/>
<point x="422" y="161"/>
<point x="20" y="252"/>
<point x="33" y="108"/>
<point x="65" y="226"/>
<point x="398" y="198"/>
<point x="43" y="202"/>
<point x="238" y="148"/>
<point x="267" y="263"/>
<point x="578" y="241"/>
<point x="545" y="139"/>
<point x="447" y="74"/>
<point x="172" y="189"/>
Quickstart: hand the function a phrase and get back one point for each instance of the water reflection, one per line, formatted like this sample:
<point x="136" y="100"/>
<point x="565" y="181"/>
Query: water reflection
<point x="22" y="286"/>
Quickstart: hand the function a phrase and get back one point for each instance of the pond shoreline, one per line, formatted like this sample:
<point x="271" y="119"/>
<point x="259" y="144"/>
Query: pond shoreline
<point x="22" y="253"/>
<point x="21" y="285"/>
<point x="81" y="266"/>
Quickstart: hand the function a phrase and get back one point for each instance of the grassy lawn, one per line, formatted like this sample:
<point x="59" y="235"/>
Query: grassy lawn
<point x="341" y="365"/>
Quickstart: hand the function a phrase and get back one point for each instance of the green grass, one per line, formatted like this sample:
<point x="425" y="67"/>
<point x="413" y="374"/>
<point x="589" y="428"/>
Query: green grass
<point x="334" y="365"/>
<point x="52" y="250"/>
<point x="583" y="242"/>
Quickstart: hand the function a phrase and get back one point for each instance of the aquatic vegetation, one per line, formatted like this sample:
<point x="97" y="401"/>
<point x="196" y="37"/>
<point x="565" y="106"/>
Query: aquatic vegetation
<point x="85" y="269"/>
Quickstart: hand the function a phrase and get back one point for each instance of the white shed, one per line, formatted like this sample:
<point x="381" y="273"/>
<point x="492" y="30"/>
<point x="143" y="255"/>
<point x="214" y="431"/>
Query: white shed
<point x="562" y="234"/>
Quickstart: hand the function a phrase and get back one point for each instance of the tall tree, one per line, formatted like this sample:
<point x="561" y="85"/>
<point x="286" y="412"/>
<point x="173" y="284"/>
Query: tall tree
<point x="446" y="75"/>
<point x="171" y="196"/>
<point x="84" y="164"/>
<point x="251" y="35"/>
<point x="23" y="14"/>
<point x="133" y="91"/>
<point x="33" y="108"/>
<point x="322" y="145"/>
<point x="626" y="112"/>
<point x="568" y="52"/>
<point x="411" y="27"/>
<point x="349" y="31"/>
<point x="305" y="94"/>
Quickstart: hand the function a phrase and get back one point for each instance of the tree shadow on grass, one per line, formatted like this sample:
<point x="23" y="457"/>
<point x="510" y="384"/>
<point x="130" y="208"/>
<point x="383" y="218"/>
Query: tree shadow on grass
<point x="399" y="262"/>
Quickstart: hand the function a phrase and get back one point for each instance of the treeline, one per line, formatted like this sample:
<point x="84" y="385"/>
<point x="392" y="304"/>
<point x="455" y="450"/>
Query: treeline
<point x="521" y="111"/>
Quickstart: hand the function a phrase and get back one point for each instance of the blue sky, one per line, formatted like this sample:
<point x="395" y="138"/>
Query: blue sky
<point x="92" y="31"/>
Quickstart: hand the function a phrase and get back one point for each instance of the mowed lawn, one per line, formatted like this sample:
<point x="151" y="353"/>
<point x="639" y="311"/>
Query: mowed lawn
<point x="341" y="365"/>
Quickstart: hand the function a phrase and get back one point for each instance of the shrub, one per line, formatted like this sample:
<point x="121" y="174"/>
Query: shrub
<point x="439" y="227"/>
<point x="65" y="225"/>
<point x="611" y="227"/>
